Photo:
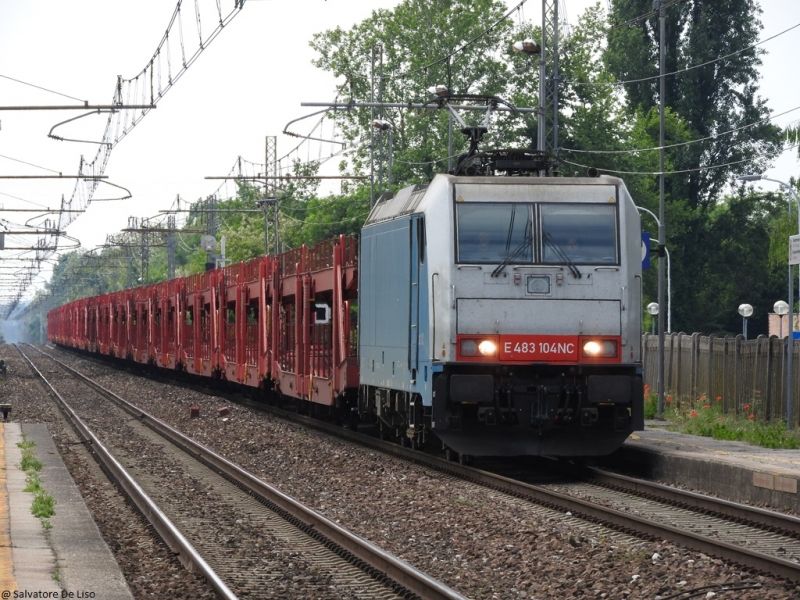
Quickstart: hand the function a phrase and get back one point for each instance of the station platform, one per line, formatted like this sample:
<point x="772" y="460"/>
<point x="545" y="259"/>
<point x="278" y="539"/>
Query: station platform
<point x="69" y="558"/>
<point x="735" y="471"/>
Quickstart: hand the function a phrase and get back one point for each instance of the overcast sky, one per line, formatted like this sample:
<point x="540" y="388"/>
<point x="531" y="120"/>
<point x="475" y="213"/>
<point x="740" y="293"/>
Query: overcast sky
<point x="248" y="84"/>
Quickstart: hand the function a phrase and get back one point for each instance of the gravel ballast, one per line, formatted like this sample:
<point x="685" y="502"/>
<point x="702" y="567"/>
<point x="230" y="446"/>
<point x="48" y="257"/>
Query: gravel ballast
<point x="482" y="543"/>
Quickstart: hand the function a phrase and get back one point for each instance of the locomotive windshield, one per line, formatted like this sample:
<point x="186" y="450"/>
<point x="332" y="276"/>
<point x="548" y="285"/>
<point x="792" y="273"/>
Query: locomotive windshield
<point x="586" y="233"/>
<point x="491" y="233"/>
<point x="487" y="233"/>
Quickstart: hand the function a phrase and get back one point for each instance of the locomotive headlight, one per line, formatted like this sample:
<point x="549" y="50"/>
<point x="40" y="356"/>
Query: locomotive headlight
<point x="600" y="348"/>
<point x="487" y="348"/>
<point x="469" y="347"/>
<point x="478" y="347"/>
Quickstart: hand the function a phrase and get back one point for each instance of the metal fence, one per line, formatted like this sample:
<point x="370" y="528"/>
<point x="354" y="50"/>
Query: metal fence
<point x="735" y="372"/>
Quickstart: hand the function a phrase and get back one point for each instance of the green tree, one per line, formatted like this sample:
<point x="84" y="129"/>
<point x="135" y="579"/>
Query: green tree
<point x="718" y="105"/>
<point x="714" y="97"/>
<point x="739" y="240"/>
<point x="413" y="40"/>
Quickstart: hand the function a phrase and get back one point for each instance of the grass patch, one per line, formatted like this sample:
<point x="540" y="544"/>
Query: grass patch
<point x="43" y="505"/>
<point x="705" y="418"/>
<point x="30" y="463"/>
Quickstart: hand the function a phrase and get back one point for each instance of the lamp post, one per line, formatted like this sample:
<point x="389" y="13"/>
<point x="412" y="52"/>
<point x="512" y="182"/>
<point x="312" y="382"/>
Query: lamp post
<point x="669" y="278"/>
<point x="746" y="311"/>
<point x="781" y="309"/>
<point x="531" y="48"/>
<point x="652" y="308"/>
<point x="790" y="344"/>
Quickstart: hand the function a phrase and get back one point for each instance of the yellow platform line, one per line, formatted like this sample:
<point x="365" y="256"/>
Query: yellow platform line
<point x="7" y="580"/>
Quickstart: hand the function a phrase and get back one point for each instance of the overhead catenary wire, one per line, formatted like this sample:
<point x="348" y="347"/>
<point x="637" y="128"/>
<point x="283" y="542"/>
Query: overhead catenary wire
<point x="685" y="70"/>
<point x="679" y="144"/>
<point x="694" y="170"/>
<point x="24" y="200"/>
<point x="642" y="17"/>
<point x="27" y="163"/>
<point x="347" y="220"/>
<point x="43" y="88"/>
<point x="121" y="122"/>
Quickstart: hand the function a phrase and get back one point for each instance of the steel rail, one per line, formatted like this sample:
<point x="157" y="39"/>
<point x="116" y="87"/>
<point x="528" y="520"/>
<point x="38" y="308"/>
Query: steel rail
<point x="606" y="516"/>
<point x="767" y="519"/>
<point x="174" y="539"/>
<point x="601" y="515"/>
<point x="396" y="569"/>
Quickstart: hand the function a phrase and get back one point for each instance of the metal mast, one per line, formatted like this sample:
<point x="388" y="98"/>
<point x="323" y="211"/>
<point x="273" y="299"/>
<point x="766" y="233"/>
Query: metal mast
<point x="548" y="80"/>
<point x="170" y="247"/>
<point x="271" y="171"/>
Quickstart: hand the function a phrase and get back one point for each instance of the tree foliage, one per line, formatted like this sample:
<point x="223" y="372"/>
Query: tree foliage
<point x="726" y="247"/>
<point x="724" y="131"/>
<point x="395" y="56"/>
<point x="718" y="99"/>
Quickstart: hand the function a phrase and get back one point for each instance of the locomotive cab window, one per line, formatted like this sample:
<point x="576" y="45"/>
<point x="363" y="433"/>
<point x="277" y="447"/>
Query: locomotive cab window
<point x="491" y="233"/>
<point x="582" y="233"/>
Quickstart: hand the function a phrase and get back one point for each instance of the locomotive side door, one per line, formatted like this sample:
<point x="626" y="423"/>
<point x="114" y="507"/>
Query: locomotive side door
<point x="417" y="240"/>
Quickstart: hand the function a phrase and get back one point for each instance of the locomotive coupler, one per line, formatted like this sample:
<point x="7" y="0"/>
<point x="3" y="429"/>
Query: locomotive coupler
<point x="588" y="416"/>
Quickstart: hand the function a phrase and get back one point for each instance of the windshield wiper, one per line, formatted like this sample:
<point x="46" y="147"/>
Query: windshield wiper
<point x="526" y="243"/>
<point x="548" y="239"/>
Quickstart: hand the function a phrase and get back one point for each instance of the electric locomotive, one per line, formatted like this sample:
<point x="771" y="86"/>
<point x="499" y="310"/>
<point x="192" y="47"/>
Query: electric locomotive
<point x="502" y="314"/>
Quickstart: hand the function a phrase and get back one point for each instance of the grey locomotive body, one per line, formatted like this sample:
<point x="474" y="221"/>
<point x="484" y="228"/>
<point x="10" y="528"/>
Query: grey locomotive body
<point x="503" y="315"/>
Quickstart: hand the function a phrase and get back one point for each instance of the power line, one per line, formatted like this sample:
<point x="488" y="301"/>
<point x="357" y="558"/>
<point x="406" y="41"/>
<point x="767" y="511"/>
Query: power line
<point x="42" y="88"/>
<point x="687" y="69"/>
<point x="153" y="81"/>
<point x="697" y="169"/>
<point x="27" y="163"/>
<point x="695" y="141"/>
<point x="642" y="17"/>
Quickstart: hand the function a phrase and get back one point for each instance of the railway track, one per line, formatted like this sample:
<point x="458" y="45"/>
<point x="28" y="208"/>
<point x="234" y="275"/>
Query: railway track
<point x="238" y="531"/>
<point x="759" y="539"/>
<point x="762" y="542"/>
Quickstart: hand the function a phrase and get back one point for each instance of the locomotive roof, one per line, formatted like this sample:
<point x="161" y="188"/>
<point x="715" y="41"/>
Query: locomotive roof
<point x="408" y="199"/>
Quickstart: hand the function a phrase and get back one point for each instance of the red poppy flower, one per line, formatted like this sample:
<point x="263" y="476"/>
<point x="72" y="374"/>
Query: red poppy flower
<point x="746" y="407"/>
<point x="694" y="414"/>
<point x="719" y="398"/>
<point x="752" y="416"/>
